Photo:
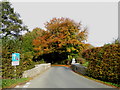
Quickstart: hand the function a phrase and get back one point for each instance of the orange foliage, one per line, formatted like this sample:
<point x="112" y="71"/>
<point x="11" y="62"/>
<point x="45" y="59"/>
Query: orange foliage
<point x="62" y="33"/>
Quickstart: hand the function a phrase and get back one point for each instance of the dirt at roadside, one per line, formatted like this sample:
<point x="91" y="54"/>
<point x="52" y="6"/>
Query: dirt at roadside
<point x="62" y="65"/>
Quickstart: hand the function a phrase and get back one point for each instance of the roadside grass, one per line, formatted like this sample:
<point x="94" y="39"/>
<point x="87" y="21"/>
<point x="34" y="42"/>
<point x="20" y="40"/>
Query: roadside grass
<point x="9" y="83"/>
<point x="116" y="85"/>
<point x="107" y="83"/>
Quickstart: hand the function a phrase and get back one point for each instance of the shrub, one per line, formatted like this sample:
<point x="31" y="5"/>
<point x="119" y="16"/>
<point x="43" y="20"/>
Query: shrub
<point x="104" y="62"/>
<point x="11" y="46"/>
<point x="8" y="71"/>
<point x="80" y="60"/>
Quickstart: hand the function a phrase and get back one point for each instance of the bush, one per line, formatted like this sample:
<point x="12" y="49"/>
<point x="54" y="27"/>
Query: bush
<point x="104" y="62"/>
<point x="80" y="60"/>
<point x="8" y="71"/>
<point x="26" y="61"/>
<point x="11" y="46"/>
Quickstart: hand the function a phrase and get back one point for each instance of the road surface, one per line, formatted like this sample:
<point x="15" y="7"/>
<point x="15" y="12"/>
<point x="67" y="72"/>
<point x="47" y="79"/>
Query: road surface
<point x="61" y="77"/>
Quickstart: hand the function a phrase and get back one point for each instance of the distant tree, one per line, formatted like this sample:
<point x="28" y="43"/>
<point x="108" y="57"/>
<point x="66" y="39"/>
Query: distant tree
<point x="27" y="46"/>
<point x="116" y="41"/>
<point x="63" y="35"/>
<point x="29" y="37"/>
<point x="11" y="24"/>
<point x="88" y="46"/>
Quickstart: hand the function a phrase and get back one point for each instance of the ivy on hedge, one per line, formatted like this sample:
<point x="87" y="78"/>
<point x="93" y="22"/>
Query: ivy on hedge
<point x="104" y="62"/>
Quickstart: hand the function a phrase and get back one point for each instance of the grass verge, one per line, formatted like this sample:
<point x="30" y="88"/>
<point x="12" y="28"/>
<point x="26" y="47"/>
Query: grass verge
<point x="10" y="83"/>
<point x="107" y="83"/>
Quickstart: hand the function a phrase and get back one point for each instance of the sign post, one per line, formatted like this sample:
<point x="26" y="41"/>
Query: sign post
<point x="15" y="60"/>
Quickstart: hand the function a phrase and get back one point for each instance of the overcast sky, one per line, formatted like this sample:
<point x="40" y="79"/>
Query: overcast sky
<point x="101" y="18"/>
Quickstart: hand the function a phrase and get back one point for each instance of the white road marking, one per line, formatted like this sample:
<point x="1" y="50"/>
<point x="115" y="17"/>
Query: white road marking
<point x="28" y="83"/>
<point x="17" y="86"/>
<point x="25" y="86"/>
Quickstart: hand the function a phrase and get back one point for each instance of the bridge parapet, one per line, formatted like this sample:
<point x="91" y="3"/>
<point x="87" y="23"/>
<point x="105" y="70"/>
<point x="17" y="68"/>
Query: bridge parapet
<point x="37" y="70"/>
<point x="79" y="68"/>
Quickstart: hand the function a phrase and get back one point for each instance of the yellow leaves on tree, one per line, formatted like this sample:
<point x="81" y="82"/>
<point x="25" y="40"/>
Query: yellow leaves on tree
<point x="61" y="35"/>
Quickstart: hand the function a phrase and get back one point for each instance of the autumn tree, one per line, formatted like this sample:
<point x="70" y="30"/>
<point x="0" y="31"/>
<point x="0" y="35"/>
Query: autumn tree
<point x="63" y="35"/>
<point x="27" y="46"/>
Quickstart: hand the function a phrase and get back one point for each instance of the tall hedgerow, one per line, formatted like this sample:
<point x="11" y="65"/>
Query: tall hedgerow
<point x="104" y="62"/>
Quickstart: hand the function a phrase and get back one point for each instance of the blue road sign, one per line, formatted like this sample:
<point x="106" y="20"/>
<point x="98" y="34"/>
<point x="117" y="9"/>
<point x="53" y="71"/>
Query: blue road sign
<point x="15" y="57"/>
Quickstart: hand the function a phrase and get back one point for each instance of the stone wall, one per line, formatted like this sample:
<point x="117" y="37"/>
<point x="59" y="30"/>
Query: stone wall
<point x="79" y="68"/>
<point x="37" y="70"/>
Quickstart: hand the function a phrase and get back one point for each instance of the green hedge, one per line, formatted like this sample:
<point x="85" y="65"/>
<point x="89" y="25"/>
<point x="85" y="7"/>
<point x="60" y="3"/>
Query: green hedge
<point x="104" y="62"/>
<point x="8" y="71"/>
<point x="9" y="47"/>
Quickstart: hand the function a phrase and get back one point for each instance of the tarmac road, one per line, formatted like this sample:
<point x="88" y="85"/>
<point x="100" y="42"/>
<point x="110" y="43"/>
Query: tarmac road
<point x="61" y="77"/>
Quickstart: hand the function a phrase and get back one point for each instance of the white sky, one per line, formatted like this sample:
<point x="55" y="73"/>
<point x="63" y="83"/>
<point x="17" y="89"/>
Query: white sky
<point x="101" y="18"/>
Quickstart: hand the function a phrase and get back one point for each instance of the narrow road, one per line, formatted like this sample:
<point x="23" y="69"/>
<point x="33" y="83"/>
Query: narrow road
<point x="61" y="77"/>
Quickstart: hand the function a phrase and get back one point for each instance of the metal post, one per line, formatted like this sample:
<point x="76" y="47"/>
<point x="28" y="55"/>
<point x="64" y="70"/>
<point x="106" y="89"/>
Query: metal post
<point x="15" y="72"/>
